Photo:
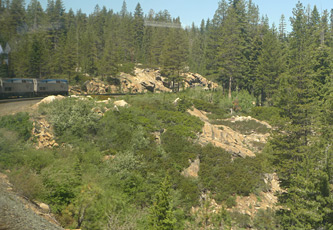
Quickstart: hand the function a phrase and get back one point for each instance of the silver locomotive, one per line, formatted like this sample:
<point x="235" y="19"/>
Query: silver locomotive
<point x="22" y="87"/>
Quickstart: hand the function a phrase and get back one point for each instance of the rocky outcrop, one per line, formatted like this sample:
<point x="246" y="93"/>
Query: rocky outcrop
<point x="193" y="169"/>
<point x="196" y="80"/>
<point x="248" y="205"/>
<point x="224" y="137"/>
<point x="251" y="204"/>
<point x="143" y="80"/>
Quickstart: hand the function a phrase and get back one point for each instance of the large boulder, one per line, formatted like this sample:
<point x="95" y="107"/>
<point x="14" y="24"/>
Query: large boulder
<point x="120" y="103"/>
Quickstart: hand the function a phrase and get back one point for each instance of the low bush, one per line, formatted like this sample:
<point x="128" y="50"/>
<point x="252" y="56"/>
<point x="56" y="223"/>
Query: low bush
<point x="269" y="114"/>
<point x="245" y="101"/>
<point x="19" y="123"/>
<point x="71" y="116"/>
<point x="10" y="151"/>
<point x="245" y="127"/>
<point x="224" y="177"/>
<point x="231" y="202"/>
<point x="240" y="220"/>
<point x="27" y="183"/>
<point x="265" y="219"/>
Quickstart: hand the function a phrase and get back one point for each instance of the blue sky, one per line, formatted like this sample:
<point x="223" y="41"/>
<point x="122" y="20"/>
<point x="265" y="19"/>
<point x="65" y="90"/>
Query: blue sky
<point x="195" y="10"/>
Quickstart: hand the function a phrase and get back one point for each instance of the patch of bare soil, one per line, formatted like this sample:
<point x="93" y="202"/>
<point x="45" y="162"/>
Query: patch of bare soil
<point x="18" y="213"/>
<point x="17" y="106"/>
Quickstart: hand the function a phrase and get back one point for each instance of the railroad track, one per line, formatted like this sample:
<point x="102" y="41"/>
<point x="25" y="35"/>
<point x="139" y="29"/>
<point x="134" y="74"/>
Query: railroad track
<point x="40" y="98"/>
<point x="20" y="99"/>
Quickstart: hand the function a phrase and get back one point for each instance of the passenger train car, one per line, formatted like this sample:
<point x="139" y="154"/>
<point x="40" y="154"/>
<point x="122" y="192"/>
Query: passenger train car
<point x="21" y="87"/>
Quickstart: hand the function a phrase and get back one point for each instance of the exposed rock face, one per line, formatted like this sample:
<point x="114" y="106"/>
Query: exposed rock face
<point x="144" y="80"/>
<point x="224" y="137"/>
<point x="195" y="79"/>
<point x="193" y="169"/>
<point x="250" y="205"/>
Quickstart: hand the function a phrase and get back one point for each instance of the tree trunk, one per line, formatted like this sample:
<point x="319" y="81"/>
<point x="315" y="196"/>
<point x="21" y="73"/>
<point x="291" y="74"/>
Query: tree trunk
<point x="230" y="79"/>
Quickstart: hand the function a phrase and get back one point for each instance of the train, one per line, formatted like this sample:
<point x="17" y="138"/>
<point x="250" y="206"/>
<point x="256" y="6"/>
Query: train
<point x="32" y="87"/>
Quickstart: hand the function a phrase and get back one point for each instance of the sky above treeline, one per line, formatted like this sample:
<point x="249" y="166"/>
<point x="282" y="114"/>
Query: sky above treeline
<point x="195" y="10"/>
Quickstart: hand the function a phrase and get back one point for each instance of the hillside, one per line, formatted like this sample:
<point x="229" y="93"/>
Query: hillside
<point x="253" y="152"/>
<point x="84" y="156"/>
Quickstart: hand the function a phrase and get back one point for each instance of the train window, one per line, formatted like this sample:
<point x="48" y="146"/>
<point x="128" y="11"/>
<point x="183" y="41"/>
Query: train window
<point x="42" y="88"/>
<point x="24" y="81"/>
<point x="58" y="82"/>
<point x="8" y="89"/>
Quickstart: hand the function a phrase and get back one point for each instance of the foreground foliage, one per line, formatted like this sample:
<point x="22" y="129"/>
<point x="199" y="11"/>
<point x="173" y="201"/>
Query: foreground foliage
<point x="86" y="190"/>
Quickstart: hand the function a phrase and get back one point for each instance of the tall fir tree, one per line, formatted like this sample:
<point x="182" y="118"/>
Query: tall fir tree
<point x="161" y="212"/>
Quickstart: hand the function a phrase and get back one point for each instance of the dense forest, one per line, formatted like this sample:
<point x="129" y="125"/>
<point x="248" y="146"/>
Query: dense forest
<point x="289" y="74"/>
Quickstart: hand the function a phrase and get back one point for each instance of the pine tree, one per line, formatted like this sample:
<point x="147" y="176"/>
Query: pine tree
<point x="298" y="159"/>
<point x="174" y="55"/>
<point x="161" y="213"/>
<point x="138" y="25"/>
<point x="282" y="28"/>
<point x="230" y="56"/>
<point x="271" y="65"/>
<point x="35" y="58"/>
<point x="35" y="15"/>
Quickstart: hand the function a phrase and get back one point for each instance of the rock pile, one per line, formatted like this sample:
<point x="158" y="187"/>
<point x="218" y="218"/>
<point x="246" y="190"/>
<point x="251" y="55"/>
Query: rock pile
<point x="43" y="132"/>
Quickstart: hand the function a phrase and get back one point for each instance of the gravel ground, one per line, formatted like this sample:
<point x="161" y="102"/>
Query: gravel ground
<point x="16" y="213"/>
<point x="17" y="106"/>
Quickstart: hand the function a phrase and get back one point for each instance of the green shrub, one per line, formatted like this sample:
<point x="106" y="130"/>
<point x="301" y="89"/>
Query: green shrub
<point x="19" y="123"/>
<point x="27" y="183"/>
<point x="10" y="150"/>
<point x="224" y="177"/>
<point x="245" y="127"/>
<point x="127" y="68"/>
<point x="244" y="100"/>
<point x="269" y="114"/>
<point x="231" y="202"/>
<point x="61" y="184"/>
<point x="240" y="220"/>
<point x="182" y="124"/>
<point x="265" y="219"/>
<point x="71" y="116"/>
